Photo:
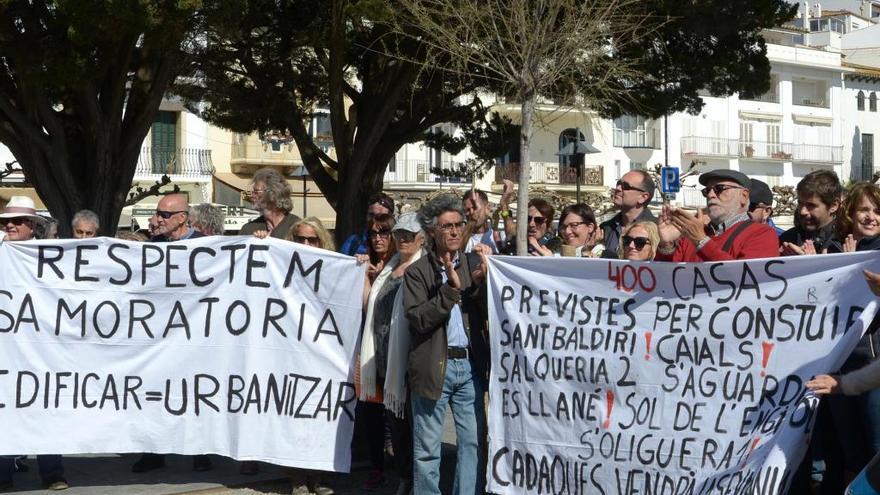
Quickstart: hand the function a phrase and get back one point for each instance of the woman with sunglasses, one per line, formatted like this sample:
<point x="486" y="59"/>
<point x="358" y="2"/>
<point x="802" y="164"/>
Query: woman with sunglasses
<point x="639" y="242"/>
<point x="370" y="412"/>
<point x="311" y="232"/>
<point x="384" y="353"/>
<point x="542" y="239"/>
<point x="579" y="232"/>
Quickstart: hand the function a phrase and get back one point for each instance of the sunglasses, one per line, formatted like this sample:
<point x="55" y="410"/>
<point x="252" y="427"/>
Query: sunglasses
<point x="404" y="236"/>
<point x="302" y="239"/>
<point x="537" y="220"/>
<point x="626" y="186"/>
<point x="718" y="189"/>
<point x="17" y="221"/>
<point x="755" y="206"/>
<point x="384" y="233"/>
<point x="168" y="214"/>
<point x="639" y="242"/>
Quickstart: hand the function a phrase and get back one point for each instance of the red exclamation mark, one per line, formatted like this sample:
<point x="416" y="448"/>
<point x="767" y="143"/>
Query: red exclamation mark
<point x="749" y="453"/>
<point x="648" y="345"/>
<point x="768" y="348"/>
<point x="609" y="401"/>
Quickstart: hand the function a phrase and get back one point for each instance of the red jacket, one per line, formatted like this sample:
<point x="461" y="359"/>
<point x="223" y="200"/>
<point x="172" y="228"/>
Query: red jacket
<point x="754" y="240"/>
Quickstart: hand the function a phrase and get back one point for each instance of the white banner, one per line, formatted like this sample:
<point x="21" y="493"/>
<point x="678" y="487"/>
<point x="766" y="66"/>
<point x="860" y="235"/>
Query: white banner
<point x="225" y="345"/>
<point x="613" y="377"/>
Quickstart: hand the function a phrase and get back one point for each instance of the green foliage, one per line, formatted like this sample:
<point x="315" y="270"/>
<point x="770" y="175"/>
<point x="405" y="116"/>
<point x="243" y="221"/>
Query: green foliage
<point x="80" y="84"/>
<point x="714" y="45"/>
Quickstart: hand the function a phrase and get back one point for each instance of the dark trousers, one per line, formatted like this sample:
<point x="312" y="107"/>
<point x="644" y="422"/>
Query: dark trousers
<point x="402" y="441"/>
<point x="371" y="416"/>
<point x="50" y="467"/>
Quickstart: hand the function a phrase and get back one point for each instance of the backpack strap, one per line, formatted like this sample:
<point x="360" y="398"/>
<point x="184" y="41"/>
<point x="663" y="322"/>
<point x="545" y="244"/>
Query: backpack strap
<point x="736" y="232"/>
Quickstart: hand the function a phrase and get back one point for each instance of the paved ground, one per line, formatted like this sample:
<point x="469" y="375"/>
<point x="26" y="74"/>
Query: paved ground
<point x="111" y="475"/>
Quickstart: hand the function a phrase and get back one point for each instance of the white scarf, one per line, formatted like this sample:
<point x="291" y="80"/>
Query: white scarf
<point x="368" y="338"/>
<point x="398" y="355"/>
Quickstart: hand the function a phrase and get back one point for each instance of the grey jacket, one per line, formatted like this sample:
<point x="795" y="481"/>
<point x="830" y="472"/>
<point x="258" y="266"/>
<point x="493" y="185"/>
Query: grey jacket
<point x="428" y="301"/>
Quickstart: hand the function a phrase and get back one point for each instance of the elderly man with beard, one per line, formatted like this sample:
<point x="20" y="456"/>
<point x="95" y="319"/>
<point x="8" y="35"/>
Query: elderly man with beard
<point x="172" y="220"/>
<point x="270" y="194"/>
<point x="730" y="233"/>
<point x="19" y="220"/>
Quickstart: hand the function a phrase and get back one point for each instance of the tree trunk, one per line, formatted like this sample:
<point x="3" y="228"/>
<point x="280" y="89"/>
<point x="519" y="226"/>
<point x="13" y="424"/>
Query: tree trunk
<point x="522" y="196"/>
<point x="356" y="190"/>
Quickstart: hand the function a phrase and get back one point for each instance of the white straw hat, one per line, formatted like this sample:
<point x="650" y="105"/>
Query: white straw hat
<point x="20" y="206"/>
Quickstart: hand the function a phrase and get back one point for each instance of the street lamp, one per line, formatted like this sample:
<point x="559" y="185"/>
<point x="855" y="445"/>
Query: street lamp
<point x="576" y="150"/>
<point x="303" y="174"/>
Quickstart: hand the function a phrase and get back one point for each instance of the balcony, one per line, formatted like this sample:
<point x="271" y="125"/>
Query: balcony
<point x="182" y="162"/>
<point x="760" y="150"/>
<point x="709" y="146"/>
<point x="251" y="155"/>
<point x="648" y="137"/>
<point x="817" y="153"/>
<point x="549" y="173"/>
<point x="418" y="171"/>
<point x="763" y="150"/>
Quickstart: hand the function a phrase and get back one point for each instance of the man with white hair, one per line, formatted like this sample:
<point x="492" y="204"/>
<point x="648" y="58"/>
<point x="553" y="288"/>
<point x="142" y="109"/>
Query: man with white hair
<point x="19" y="220"/>
<point x="729" y="234"/>
<point x="85" y="224"/>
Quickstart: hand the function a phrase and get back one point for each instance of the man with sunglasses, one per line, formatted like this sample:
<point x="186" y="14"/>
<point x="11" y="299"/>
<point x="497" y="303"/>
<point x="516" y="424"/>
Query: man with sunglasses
<point x="631" y="196"/>
<point x="445" y="304"/>
<point x="729" y="235"/>
<point x="172" y="220"/>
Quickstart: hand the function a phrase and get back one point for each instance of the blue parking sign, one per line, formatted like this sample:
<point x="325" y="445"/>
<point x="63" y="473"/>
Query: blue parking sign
<point x="669" y="180"/>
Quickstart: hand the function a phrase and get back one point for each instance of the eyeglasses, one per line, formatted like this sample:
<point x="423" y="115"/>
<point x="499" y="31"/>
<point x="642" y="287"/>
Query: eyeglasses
<point x="17" y="221"/>
<point x="626" y="186"/>
<point x="640" y="242"/>
<point x="446" y="227"/>
<point x="168" y="214"/>
<point x="755" y="206"/>
<point x="718" y="189"/>
<point x="384" y="233"/>
<point x="404" y="236"/>
<point x="537" y="220"/>
<point x="302" y="239"/>
<point x="572" y="225"/>
<point x="257" y="191"/>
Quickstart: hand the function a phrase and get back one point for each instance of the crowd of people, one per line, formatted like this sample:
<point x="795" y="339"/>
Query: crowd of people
<point x="424" y="340"/>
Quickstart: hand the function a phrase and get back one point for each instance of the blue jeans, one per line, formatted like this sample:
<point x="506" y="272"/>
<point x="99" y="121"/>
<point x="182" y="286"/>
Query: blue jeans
<point x="463" y="392"/>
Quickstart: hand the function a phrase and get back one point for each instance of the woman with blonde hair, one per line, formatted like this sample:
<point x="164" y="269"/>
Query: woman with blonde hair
<point x="639" y="241"/>
<point x="311" y="231"/>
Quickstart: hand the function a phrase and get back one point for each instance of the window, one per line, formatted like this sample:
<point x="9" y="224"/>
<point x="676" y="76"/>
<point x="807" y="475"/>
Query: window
<point x="867" y="156"/>
<point x="163" y="140"/>
<point x="772" y="94"/>
<point x="392" y="164"/>
<point x="810" y="93"/>
<point x="860" y="101"/>
<point x="872" y="102"/>
<point x="633" y="131"/>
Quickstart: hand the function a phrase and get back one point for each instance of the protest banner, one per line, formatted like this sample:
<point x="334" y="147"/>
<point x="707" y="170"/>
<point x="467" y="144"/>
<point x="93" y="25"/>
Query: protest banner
<point x="226" y="345"/>
<point x="616" y="377"/>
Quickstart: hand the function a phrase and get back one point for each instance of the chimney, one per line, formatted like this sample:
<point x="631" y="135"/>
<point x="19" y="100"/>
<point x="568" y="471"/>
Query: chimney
<point x="817" y="7"/>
